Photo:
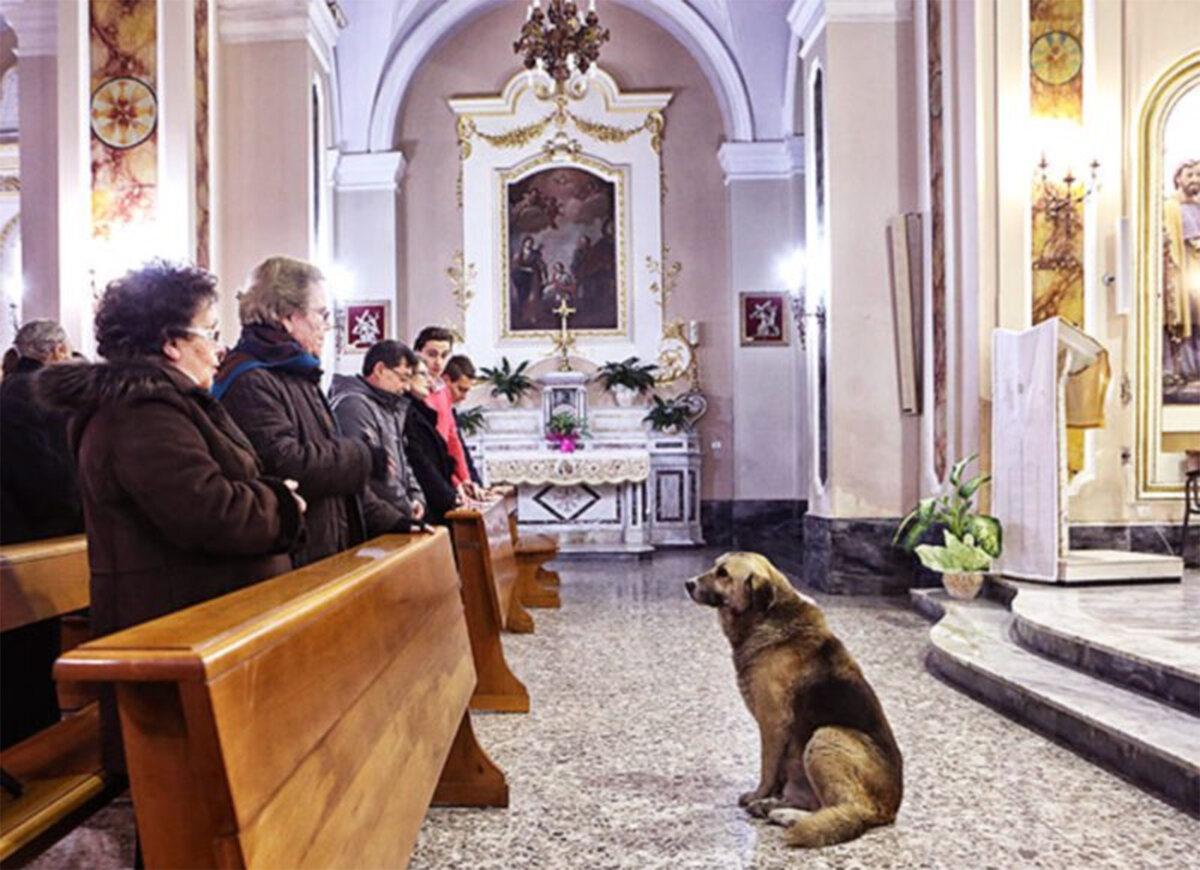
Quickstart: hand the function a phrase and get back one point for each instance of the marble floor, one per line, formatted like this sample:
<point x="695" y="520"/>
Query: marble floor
<point x="638" y="745"/>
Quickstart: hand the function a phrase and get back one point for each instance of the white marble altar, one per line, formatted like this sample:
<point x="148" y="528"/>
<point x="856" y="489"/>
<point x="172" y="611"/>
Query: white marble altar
<point x="626" y="489"/>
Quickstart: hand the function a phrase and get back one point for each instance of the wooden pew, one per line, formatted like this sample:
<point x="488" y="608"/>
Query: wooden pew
<point x="59" y="767"/>
<point x="306" y="721"/>
<point x="537" y="586"/>
<point x="487" y="565"/>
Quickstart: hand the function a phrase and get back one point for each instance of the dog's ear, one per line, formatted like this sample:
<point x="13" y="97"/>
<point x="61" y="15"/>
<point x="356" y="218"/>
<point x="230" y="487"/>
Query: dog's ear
<point x="760" y="592"/>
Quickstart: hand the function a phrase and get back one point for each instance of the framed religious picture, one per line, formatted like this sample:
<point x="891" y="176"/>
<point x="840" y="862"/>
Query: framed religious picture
<point x="762" y="318"/>
<point x="364" y="324"/>
<point x="562" y="237"/>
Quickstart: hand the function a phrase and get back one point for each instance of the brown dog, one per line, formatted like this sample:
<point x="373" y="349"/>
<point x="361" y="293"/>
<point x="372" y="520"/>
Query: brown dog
<point x="830" y="765"/>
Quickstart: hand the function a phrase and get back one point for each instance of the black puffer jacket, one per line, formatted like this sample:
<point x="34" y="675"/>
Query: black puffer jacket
<point x="430" y="460"/>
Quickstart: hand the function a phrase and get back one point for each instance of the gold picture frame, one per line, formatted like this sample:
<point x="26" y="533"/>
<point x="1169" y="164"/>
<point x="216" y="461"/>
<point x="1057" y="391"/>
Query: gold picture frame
<point x="1161" y="437"/>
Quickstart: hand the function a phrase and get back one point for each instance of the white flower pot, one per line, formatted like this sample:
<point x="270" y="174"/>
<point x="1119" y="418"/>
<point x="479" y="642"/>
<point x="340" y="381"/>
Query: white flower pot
<point x="624" y="396"/>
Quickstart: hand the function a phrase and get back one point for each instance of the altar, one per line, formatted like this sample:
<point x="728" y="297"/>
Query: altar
<point x="625" y="490"/>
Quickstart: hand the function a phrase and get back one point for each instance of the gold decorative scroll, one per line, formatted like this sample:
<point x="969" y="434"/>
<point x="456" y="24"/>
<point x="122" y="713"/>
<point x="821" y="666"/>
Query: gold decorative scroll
<point x="462" y="279"/>
<point x="518" y="137"/>
<point x="1056" y="58"/>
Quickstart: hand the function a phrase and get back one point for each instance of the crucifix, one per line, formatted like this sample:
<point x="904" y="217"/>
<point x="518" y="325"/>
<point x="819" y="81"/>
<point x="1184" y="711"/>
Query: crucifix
<point x="564" y="341"/>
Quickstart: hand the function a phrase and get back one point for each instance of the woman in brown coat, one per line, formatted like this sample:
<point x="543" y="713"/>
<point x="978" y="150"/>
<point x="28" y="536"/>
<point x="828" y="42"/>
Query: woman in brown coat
<point x="175" y="506"/>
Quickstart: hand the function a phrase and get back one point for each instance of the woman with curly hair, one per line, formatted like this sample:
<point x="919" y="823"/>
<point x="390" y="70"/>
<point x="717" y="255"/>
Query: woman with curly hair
<point x="176" y="508"/>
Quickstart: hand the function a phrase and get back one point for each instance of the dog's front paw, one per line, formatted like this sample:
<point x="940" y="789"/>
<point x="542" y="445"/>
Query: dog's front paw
<point x="750" y="797"/>
<point x="763" y="807"/>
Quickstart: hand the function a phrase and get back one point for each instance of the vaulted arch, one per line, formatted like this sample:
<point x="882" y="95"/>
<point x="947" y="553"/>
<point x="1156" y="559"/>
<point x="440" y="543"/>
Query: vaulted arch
<point x="677" y="18"/>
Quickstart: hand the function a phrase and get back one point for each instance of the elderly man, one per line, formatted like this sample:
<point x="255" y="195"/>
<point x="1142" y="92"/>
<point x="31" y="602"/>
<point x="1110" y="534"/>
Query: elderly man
<point x="37" y="481"/>
<point x="373" y="407"/>
<point x="38" y="499"/>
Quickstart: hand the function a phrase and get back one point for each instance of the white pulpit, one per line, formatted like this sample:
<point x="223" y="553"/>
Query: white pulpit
<point x="1029" y="462"/>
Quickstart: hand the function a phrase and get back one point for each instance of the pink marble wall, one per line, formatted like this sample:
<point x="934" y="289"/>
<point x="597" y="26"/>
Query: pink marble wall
<point x="478" y="59"/>
<point x="203" y="185"/>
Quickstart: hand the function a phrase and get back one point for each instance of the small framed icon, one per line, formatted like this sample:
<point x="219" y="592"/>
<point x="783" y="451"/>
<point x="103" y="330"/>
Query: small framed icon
<point x="763" y="318"/>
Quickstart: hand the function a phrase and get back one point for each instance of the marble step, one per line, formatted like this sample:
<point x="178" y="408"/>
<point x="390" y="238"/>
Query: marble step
<point x="1153" y="744"/>
<point x="1143" y="638"/>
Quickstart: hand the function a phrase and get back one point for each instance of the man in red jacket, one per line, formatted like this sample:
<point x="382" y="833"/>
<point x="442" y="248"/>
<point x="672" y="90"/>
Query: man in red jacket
<point x="434" y="344"/>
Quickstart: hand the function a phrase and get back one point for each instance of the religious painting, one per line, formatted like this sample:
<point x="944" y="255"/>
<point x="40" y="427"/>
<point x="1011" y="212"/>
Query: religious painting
<point x="1180" y="281"/>
<point x="762" y="318"/>
<point x="1168" y="264"/>
<point x="366" y="323"/>
<point x="562" y="246"/>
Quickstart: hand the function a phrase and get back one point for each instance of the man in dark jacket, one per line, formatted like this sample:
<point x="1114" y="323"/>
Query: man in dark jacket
<point x="270" y="384"/>
<point x="38" y="499"/>
<point x="373" y="407"/>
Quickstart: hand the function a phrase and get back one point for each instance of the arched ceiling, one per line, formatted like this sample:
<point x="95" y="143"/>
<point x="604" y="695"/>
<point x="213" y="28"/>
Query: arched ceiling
<point x="741" y="47"/>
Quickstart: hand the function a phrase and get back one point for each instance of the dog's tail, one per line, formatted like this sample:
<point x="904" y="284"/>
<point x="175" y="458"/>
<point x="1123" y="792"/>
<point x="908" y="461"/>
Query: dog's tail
<point x="834" y="824"/>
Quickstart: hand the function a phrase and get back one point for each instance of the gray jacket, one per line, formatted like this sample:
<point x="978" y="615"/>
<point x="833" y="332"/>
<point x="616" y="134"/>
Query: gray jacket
<point x="367" y="413"/>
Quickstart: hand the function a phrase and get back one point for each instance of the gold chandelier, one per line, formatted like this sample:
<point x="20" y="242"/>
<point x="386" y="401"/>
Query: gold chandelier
<point x="561" y="41"/>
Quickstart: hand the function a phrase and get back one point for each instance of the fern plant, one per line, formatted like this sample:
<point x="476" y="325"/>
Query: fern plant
<point x="471" y="421"/>
<point x="630" y="373"/>
<point x="665" y="413"/>
<point x="970" y="539"/>
<point x="512" y="383"/>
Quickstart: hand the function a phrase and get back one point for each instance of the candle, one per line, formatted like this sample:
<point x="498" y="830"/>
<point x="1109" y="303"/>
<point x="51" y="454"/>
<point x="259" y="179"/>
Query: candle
<point x="693" y="332"/>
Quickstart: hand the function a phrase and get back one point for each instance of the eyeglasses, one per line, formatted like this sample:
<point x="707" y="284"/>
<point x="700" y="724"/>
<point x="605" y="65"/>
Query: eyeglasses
<point x="213" y="335"/>
<point x="322" y="313"/>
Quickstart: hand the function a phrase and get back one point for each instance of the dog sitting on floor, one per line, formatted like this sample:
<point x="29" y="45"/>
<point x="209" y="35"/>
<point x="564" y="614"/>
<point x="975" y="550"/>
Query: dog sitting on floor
<point x="831" y="769"/>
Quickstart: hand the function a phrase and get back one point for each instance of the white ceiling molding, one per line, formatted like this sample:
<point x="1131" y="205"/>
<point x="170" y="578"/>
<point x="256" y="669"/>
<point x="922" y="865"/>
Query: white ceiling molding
<point x="762" y="161"/>
<point x="36" y="25"/>
<point x="808" y="18"/>
<point x="687" y="25"/>
<point x="373" y="170"/>
<point x="280" y="21"/>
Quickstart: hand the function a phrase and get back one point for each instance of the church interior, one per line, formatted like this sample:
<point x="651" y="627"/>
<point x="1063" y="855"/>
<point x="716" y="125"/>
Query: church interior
<point x="902" y="295"/>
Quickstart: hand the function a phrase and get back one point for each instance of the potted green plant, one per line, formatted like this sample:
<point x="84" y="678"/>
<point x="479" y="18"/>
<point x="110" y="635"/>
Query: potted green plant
<point x="668" y="415"/>
<point x="512" y="383"/>
<point x="471" y="421"/>
<point x="627" y="379"/>
<point x="563" y="430"/>
<point x="971" y="540"/>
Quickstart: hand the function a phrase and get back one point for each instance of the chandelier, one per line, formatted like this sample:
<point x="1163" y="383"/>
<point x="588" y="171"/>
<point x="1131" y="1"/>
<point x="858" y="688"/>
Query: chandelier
<point x="561" y="41"/>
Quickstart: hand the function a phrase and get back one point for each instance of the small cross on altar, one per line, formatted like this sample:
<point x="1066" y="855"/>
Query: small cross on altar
<point x="564" y="341"/>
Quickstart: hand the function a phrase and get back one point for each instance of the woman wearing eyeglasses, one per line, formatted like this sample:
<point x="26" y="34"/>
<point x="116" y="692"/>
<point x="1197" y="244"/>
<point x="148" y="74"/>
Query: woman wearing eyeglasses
<point x="270" y="384"/>
<point x="176" y="507"/>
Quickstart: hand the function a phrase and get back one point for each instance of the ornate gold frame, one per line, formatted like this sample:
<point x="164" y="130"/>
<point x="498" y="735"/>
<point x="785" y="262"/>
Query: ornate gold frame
<point x="1180" y="78"/>
<point x="613" y="174"/>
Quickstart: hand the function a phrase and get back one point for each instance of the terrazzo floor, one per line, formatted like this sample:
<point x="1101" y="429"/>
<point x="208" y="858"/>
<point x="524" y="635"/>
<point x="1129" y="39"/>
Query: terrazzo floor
<point x="638" y="745"/>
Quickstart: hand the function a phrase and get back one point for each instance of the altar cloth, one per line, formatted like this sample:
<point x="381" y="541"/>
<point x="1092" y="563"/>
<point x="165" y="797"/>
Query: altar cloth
<point x="536" y="467"/>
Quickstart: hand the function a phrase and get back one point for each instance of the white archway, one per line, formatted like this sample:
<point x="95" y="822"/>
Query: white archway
<point x="676" y="17"/>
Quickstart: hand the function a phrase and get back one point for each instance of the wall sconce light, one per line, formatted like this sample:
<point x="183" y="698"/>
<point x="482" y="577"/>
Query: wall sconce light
<point x="801" y="314"/>
<point x="793" y="270"/>
<point x="1059" y="201"/>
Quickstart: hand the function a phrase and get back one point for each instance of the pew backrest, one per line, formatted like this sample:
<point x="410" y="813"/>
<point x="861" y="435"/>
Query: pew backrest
<point x="301" y="722"/>
<point x="42" y="579"/>
<point x="483" y="543"/>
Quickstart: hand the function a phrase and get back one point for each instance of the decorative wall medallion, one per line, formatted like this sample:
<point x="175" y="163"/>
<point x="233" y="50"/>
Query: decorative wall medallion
<point x="1056" y="57"/>
<point x="124" y="112"/>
